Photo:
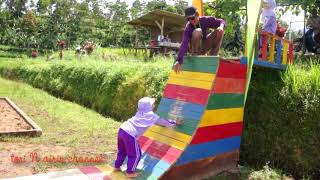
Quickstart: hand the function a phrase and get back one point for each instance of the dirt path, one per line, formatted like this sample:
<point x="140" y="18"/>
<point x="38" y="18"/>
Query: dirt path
<point x="15" y="158"/>
<point x="20" y="159"/>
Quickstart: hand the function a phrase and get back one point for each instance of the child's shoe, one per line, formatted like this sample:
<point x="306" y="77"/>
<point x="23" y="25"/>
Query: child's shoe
<point x="132" y="175"/>
<point x="116" y="169"/>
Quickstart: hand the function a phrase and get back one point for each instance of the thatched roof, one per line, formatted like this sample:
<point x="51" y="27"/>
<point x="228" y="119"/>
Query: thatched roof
<point x="172" y="21"/>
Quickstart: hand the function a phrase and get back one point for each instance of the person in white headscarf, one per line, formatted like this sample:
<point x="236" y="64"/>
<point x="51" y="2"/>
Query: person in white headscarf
<point x="269" y="21"/>
<point x="133" y="128"/>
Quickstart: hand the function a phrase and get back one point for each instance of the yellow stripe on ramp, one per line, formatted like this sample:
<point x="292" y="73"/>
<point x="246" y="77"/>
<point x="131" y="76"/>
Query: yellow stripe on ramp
<point x="190" y="83"/>
<point x="165" y="140"/>
<point x="221" y="116"/>
<point x="171" y="133"/>
<point x="200" y="76"/>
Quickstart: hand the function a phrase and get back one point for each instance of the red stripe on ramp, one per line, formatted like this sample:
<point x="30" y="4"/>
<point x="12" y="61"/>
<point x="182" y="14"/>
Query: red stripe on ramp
<point x="187" y="94"/>
<point x="229" y="86"/>
<point x="212" y="133"/>
<point x="232" y="70"/>
<point x="159" y="150"/>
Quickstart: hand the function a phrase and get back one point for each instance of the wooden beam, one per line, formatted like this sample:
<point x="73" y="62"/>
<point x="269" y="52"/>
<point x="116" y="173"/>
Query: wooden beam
<point x="158" y="24"/>
<point x="136" y="37"/>
<point x="162" y="26"/>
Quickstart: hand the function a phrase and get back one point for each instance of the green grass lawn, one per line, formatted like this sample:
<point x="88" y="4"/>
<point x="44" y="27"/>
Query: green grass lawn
<point x="64" y="124"/>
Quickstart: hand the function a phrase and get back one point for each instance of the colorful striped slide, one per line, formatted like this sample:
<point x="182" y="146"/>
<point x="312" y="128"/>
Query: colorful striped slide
<point x="208" y="95"/>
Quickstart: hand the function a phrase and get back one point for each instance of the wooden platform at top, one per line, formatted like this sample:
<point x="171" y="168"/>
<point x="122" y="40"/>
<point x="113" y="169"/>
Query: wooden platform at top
<point x="266" y="64"/>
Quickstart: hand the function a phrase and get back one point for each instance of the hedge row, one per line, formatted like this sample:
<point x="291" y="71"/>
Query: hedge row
<point x="111" y="89"/>
<point x="18" y="50"/>
<point x="5" y="54"/>
<point x="282" y="121"/>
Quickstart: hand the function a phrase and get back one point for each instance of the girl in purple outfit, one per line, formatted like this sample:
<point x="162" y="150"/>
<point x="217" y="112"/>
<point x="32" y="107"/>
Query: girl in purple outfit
<point x="134" y="127"/>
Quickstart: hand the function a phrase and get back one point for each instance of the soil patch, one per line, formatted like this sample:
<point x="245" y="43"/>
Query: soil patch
<point x="10" y="120"/>
<point x="13" y="121"/>
<point x="15" y="158"/>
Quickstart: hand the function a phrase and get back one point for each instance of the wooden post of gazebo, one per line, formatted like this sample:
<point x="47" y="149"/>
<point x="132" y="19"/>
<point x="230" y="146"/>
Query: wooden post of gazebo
<point x="136" y="40"/>
<point x="161" y="27"/>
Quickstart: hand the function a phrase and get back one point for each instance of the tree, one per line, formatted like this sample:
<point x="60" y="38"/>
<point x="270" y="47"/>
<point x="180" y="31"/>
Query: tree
<point x="229" y="10"/>
<point x="118" y="16"/>
<point x="180" y="6"/>
<point x="135" y="10"/>
<point x="305" y="4"/>
<point x="156" y="4"/>
<point x="43" y="6"/>
<point x="16" y="7"/>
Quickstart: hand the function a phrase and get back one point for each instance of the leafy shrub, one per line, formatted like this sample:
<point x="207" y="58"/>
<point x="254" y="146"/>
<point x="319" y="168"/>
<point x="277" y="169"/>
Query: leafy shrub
<point x="282" y="120"/>
<point x="111" y="89"/>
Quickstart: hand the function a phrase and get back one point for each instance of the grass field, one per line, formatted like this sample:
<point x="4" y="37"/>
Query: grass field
<point x="68" y="129"/>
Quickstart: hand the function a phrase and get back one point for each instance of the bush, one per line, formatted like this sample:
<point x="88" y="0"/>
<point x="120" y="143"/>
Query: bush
<point x="282" y="120"/>
<point x="111" y="89"/>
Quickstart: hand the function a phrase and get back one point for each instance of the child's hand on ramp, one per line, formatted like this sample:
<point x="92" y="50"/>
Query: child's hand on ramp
<point x="179" y="122"/>
<point x="177" y="67"/>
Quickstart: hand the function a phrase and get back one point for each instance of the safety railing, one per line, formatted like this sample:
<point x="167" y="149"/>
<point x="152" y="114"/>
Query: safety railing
<point x="274" y="49"/>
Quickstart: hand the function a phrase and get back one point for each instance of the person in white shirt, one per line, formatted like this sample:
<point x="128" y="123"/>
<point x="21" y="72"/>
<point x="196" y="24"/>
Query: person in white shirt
<point x="269" y="16"/>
